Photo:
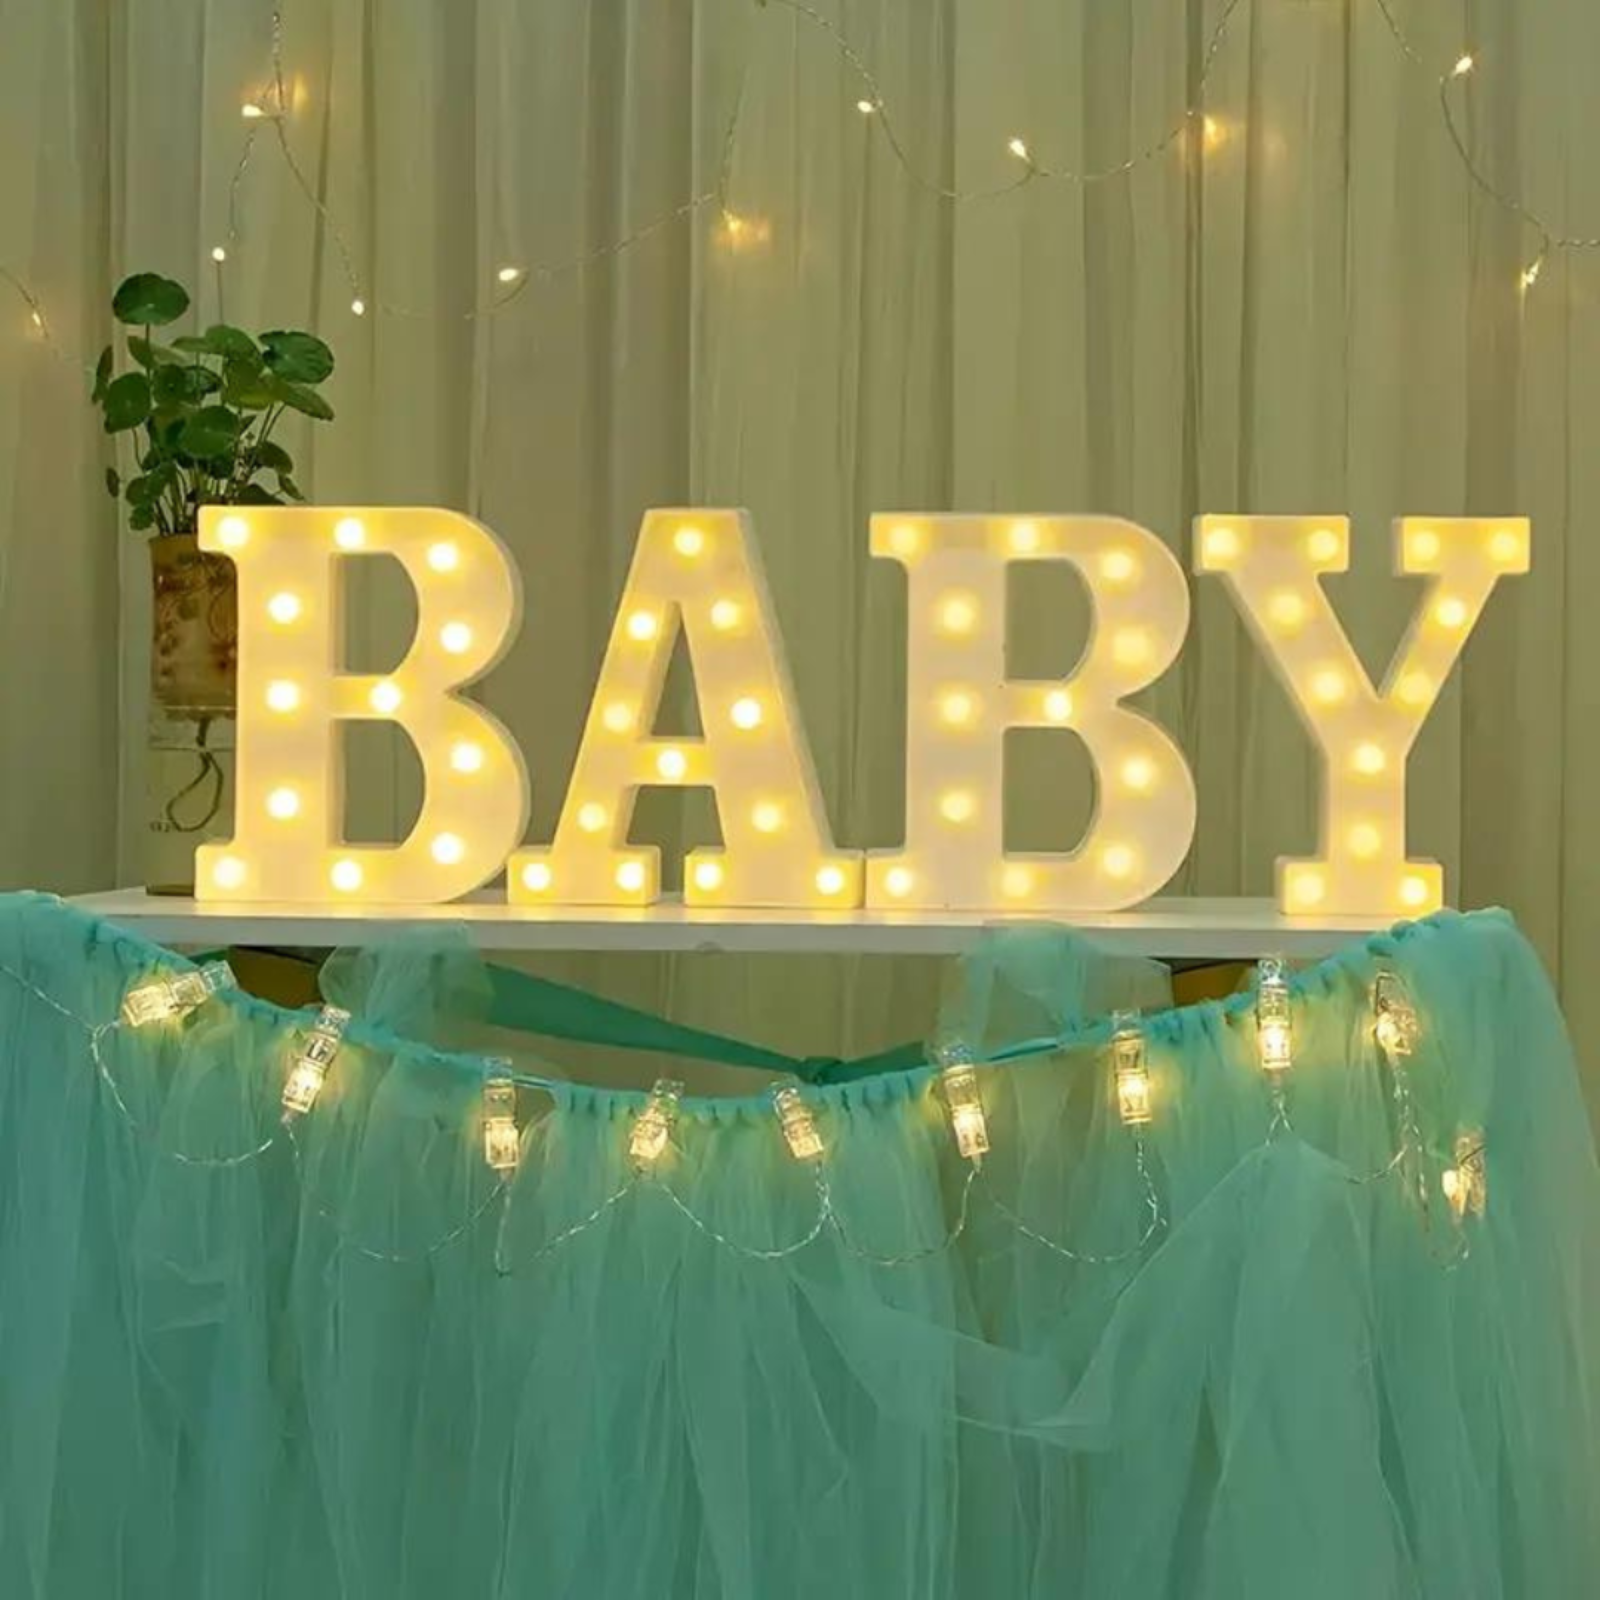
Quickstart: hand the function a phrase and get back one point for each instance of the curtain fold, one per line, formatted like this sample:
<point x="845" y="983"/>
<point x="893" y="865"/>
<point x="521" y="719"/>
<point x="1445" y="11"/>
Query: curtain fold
<point x="1302" y="303"/>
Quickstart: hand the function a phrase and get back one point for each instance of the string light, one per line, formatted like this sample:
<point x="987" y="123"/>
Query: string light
<point x="502" y="1144"/>
<point x="1395" y="1026"/>
<point x="958" y="1078"/>
<point x="1464" y="64"/>
<point x="175" y="996"/>
<point x="318" y="1049"/>
<point x="1131" y="1069"/>
<point x="652" y="1128"/>
<point x="1466" y="1184"/>
<point x="798" y="1124"/>
<point x="1274" y="1038"/>
<point x="218" y="254"/>
<point x="508" y="274"/>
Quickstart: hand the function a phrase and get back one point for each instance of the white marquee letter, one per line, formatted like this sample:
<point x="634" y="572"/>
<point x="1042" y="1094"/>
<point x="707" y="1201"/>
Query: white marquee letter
<point x="698" y="570"/>
<point x="960" y="702"/>
<point x="293" y="693"/>
<point x="1272" y="566"/>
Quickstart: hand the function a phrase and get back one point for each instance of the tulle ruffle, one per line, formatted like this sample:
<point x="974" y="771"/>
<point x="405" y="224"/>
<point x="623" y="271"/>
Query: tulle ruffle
<point x="1205" y="1360"/>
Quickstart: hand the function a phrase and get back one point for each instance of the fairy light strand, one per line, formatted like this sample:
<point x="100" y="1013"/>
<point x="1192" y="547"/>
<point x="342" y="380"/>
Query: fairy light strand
<point x="510" y="281"/>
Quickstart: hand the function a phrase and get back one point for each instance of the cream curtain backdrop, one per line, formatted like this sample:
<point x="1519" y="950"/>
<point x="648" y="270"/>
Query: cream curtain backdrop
<point x="1308" y="308"/>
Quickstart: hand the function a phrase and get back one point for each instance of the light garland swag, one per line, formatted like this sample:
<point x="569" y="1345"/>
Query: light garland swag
<point x="274" y="111"/>
<point x="167" y="998"/>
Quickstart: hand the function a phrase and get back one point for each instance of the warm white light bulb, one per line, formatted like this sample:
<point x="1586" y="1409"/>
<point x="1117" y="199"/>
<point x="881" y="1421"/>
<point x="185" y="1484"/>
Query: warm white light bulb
<point x="957" y="708"/>
<point x="1309" y="888"/>
<point x="1118" y="566"/>
<point x="592" y="816"/>
<point x="1328" y="686"/>
<point x="250" y="111"/>
<point x="708" y="875"/>
<point x="957" y="614"/>
<point x="724" y="615"/>
<point x="767" y="817"/>
<point x="1138" y="773"/>
<point x="1324" y="545"/>
<point x="228" y="872"/>
<point x="282" y="695"/>
<point x="897" y="881"/>
<point x="444" y="556"/>
<point x="1287" y="608"/>
<point x="1016" y="881"/>
<point x="218" y="254"/>
<point x="630" y="877"/>
<point x="359" y="307"/>
<point x="745" y="713"/>
<point x="830" y="880"/>
<point x="905" y="539"/>
<point x="385" y="697"/>
<point x="1365" y="840"/>
<point x="957" y="805"/>
<point x="1130" y="647"/>
<point x="1413" y="891"/>
<point x="617" y="717"/>
<point x="1415" y="689"/>
<point x="1505" y="546"/>
<point x="1058" y="705"/>
<point x="536" y="876"/>
<point x="456" y="637"/>
<point x="643" y="625"/>
<point x="1117" y="861"/>
<point x="1369" y="759"/>
<point x="1423" y="545"/>
<point x="1451" y="612"/>
<point x="1464" y="65"/>
<point x="672" y="763"/>
<point x="349" y="533"/>
<point x="1220" y="544"/>
<point x="689" y="542"/>
<point x="1018" y="148"/>
<point x="283" y="803"/>
<point x="346" y="875"/>
<point x="509" y="274"/>
<point x="1024" y="538"/>
<point x="448" y="849"/>
<point x="232" y="532"/>
<point x="284" y="607"/>
<point x="466" y="756"/>
<point x="865" y="107"/>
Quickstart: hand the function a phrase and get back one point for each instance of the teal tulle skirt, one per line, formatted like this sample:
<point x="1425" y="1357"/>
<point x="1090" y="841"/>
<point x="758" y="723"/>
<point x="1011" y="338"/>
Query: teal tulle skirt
<point x="1340" y="1340"/>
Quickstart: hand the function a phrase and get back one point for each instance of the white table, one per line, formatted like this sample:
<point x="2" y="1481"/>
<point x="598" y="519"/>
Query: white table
<point x="1166" y="928"/>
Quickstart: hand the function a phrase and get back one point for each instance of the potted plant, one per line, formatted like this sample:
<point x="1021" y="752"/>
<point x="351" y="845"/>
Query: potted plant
<point x="198" y="414"/>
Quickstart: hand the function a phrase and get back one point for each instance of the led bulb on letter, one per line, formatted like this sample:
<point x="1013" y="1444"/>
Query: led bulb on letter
<point x="960" y="704"/>
<point x="699" y="571"/>
<point x="1274" y="567"/>
<point x="294" y="693"/>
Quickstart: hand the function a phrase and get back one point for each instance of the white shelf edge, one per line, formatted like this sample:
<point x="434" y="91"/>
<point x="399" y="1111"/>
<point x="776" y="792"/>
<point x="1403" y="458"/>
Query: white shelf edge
<point x="1170" y="928"/>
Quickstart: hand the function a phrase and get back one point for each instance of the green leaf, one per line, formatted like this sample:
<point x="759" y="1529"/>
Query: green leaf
<point x="102" y="376"/>
<point x="273" y="456"/>
<point x="211" y="431"/>
<point x="149" y="354"/>
<point x="127" y="402"/>
<point x="149" y="299"/>
<point x="183" y="385"/>
<point x="297" y="357"/>
<point x="143" y="517"/>
<point x="289" y="487"/>
<point x="245" y="385"/>
<point x="113" y="483"/>
<point x="220" y="340"/>
<point x="300" y="398"/>
<point x="254" y="494"/>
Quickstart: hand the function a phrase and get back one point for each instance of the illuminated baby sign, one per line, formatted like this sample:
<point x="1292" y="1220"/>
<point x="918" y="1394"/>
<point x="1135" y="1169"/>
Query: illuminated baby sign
<point x="698" y="572"/>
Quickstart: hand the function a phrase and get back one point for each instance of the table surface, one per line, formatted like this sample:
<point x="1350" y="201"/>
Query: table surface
<point x="1169" y="928"/>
